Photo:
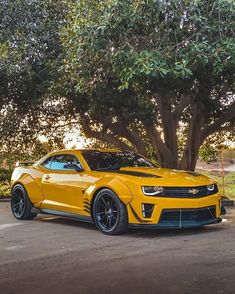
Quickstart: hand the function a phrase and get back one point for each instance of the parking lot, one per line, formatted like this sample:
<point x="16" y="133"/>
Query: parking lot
<point x="56" y="255"/>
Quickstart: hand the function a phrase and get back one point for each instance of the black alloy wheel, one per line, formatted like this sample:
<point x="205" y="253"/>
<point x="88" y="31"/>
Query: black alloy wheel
<point x="21" y="205"/>
<point x="109" y="213"/>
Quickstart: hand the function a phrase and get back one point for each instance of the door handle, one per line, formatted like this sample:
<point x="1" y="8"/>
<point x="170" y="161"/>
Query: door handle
<point x="47" y="177"/>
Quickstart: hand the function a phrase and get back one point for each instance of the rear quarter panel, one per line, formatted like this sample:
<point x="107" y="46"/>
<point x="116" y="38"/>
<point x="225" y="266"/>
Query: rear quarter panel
<point x="30" y="178"/>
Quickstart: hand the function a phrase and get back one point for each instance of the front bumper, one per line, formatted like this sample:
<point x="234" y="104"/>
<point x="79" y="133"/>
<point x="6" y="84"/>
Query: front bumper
<point x="184" y="218"/>
<point x="175" y="212"/>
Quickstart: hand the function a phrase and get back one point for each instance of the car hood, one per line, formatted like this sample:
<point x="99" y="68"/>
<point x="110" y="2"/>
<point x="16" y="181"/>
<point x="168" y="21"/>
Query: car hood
<point x="165" y="177"/>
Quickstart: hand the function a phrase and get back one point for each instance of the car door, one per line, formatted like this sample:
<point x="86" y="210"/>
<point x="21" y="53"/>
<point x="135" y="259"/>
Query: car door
<point x="62" y="186"/>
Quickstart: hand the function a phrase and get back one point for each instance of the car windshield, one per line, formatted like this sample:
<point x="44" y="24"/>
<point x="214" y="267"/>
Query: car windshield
<point x="114" y="160"/>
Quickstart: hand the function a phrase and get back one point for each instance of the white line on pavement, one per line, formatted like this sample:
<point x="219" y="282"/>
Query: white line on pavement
<point x="5" y="226"/>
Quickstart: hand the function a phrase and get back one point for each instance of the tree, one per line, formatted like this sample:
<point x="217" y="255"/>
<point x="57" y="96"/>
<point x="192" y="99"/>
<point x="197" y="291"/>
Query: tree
<point x="214" y="145"/>
<point x="152" y="76"/>
<point x="29" y="48"/>
<point x="29" y="58"/>
<point x="24" y="152"/>
<point x="140" y="69"/>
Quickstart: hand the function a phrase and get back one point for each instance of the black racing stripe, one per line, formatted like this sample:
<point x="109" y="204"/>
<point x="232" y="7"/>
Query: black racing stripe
<point x="134" y="173"/>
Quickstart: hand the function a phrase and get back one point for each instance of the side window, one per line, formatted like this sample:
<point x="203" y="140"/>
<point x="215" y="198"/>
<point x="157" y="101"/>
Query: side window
<point x="60" y="160"/>
<point x="47" y="163"/>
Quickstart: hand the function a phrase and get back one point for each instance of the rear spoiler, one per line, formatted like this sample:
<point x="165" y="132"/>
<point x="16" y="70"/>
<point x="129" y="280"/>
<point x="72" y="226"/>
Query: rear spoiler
<point x="24" y="163"/>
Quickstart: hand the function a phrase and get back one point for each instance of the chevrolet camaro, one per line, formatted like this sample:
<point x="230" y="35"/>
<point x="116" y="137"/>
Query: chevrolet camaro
<point x="115" y="190"/>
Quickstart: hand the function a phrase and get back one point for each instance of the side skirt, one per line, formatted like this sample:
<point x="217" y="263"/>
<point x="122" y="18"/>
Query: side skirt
<point x="74" y="216"/>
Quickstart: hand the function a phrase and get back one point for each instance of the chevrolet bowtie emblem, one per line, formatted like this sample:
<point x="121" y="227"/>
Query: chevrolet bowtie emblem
<point x="193" y="191"/>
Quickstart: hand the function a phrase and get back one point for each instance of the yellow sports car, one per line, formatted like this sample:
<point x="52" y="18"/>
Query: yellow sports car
<point x="115" y="190"/>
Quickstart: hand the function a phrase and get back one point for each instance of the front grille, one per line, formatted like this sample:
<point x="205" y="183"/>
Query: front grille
<point x="181" y="216"/>
<point x="188" y="192"/>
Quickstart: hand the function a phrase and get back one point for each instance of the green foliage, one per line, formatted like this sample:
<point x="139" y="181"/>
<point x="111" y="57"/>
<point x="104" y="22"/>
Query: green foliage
<point x="5" y="189"/>
<point x="5" y="174"/>
<point x="135" y="60"/>
<point x="208" y="154"/>
<point x="29" y="53"/>
<point x="25" y="152"/>
<point x="213" y="145"/>
<point x="29" y="44"/>
<point x="138" y="42"/>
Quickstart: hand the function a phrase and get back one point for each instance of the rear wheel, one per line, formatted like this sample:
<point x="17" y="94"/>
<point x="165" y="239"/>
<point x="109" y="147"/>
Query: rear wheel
<point x="109" y="213"/>
<point x="21" y="205"/>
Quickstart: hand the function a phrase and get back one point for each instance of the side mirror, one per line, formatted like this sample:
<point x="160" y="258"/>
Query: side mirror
<point x="73" y="166"/>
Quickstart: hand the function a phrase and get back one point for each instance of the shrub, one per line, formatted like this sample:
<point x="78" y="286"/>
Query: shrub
<point x="5" y="176"/>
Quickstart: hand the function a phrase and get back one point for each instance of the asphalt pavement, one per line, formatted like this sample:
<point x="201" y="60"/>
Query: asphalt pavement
<point x="56" y="255"/>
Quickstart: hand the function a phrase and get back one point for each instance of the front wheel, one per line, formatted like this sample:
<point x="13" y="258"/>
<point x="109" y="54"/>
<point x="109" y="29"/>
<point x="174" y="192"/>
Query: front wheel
<point x="21" y="205"/>
<point x="109" y="213"/>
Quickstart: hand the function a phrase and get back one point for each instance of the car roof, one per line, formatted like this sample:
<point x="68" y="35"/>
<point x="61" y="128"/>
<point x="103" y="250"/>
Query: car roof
<point x="74" y="151"/>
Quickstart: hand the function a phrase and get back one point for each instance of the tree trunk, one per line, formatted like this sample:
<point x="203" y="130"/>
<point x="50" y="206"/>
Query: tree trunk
<point x="121" y="136"/>
<point x="169" y="128"/>
<point x="164" y="154"/>
<point x="190" y="154"/>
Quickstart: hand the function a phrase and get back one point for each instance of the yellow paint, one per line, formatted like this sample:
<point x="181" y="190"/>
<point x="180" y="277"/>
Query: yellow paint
<point x="68" y="190"/>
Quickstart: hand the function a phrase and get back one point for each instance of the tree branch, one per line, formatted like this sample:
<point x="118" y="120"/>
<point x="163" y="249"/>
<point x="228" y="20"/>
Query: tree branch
<point x="164" y="154"/>
<point x="130" y="135"/>
<point x="218" y="125"/>
<point x="184" y="102"/>
<point x="121" y="130"/>
<point x="90" y="133"/>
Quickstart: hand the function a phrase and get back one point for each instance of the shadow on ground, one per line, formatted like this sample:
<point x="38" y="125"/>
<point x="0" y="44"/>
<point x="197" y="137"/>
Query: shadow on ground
<point x="136" y="233"/>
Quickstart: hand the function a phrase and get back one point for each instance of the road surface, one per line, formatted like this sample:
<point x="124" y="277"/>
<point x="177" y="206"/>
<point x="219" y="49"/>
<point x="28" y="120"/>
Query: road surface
<point x="55" y="255"/>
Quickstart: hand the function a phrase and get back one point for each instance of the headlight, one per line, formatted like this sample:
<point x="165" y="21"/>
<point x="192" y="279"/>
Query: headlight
<point x="152" y="190"/>
<point x="211" y="187"/>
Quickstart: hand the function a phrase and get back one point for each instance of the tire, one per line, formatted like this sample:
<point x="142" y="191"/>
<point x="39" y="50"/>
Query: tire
<point x="21" y="205"/>
<point x="109" y="213"/>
